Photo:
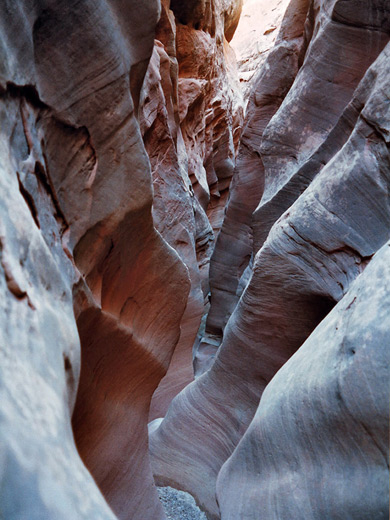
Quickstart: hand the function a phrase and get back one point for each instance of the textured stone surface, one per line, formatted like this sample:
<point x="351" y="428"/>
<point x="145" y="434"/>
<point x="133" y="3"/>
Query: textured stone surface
<point x="71" y="76"/>
<point x="318" y="444"/>
<point x="323" y="213"/>
<point x="179" y="505"/>
<point x="231" y="257"/>
<point x="74" y="117"/>
<point x="41" y="473"/>
<point x="120" y="124"/>
<point x="255" y="36"/>
<point x="191" y="117"/>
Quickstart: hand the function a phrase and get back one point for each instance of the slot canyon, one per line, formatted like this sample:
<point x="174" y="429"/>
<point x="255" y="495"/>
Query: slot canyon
<point x="194" y="259"/>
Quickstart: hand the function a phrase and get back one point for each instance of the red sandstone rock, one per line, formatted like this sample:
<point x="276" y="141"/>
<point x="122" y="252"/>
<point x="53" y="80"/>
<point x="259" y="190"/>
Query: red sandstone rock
<point x="305" y="263"/>
<point x="190" y="117"/>
<point x="84" y="240"/>
<point x="86" y="156"/>
<point x="231" y="257"/>
<point x="82" y="120"/>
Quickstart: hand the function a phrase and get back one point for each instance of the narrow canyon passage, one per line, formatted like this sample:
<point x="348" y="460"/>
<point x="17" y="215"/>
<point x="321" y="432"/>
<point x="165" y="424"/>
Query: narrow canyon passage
<point x="194" y="259"/>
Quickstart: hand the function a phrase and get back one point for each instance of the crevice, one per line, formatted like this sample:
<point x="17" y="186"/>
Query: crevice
<point x="44" y="177"/>
<point x="12" y="284"/>
<point x="28" y="92"/>
<point x="29" y="201"/>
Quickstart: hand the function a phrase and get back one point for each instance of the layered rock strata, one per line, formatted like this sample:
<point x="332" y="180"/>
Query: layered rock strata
<point x="348" y="199"/>
<point x="234" y="247"/>
<point x="324" y="212"/>
<point x="76" y="215"/>
<point x="41" y="473"/>
<point x="120" y="124"/>
<point x="78" y="126"/>
<point x="191" y="117"/>
<point x="318" y="444"/>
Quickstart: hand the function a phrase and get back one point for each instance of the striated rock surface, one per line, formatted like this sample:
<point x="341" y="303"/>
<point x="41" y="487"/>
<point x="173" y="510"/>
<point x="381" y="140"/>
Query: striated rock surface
<point x="191" y="116"/>
<point x="83" y="144"/>
<point x="234" y="247"/>
<point x="76" y="215"/>
<point x="125" y="165"/>
<point x="318" y="444"/>
<point x="324" y="212"/>
<point x="41" y="473"/>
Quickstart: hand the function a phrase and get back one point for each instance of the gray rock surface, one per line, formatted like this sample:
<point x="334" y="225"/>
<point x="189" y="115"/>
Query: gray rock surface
<point x="78" y="246"/>
<point x="99" y="101"/>
<point x="41" y="474"/>
<point x="96" y="173"/>
<point x="318" y="445"/>
<point x="179" y="505"/>
<point x="324" y="212"/>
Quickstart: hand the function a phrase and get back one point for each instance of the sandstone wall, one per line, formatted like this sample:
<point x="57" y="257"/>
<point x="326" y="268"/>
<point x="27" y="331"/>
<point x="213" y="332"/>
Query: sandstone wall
<point x="125" y="166"/>
<point x="120" y="125"/>
<point x="314" y="160"/>
<point x="76" y="217"/>
<point x="255" y="37"/>
<point x="191" y="113"/>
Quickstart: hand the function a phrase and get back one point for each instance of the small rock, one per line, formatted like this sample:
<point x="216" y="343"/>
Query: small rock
<point x="270" y="30"/>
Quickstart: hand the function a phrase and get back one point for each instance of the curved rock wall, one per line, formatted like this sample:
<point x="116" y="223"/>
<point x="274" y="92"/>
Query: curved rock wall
<point x="41" y="473"/>
<point x="84" y="147"/>
<point x="191" y="117"/>
<point x="344" y="219"/>
<point x="323" y="185"/>
<point x="77" y="170"/>
<point x="233" y="251"/>
<point x="317" y="446"/>
<point x="124" y="164"/>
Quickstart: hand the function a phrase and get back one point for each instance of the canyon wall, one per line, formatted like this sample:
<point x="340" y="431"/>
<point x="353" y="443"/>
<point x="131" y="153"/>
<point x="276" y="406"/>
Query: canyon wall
<point x="77" y="230"/>
<point x="149" y="235"/>
<point x="118" y="147"/>
<point x="191" y="113"/>
<point x="308" y="210"/>
<point x="256" y="36"/>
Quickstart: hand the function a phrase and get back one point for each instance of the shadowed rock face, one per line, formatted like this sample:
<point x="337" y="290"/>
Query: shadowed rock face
<point x="76" y="215"/>
<point x="318" y="444"/>
<point x="272" y="159"/>
<point x="231" y="258"/>
<point x="201" y="15"/>
<point x="323" y="187"/>
<point x="120" y="127"/>
<point x="191" y="117"/>
<point x="41" y="473"/>
<point x="344" y="219"/>
<point x="82" y="146"/>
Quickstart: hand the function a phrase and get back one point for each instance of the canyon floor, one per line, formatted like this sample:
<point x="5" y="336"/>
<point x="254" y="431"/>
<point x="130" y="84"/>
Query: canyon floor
<point x="179" y="505"/>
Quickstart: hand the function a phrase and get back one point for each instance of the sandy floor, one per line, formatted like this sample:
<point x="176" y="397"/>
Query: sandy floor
<point x="179" y="505"/>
